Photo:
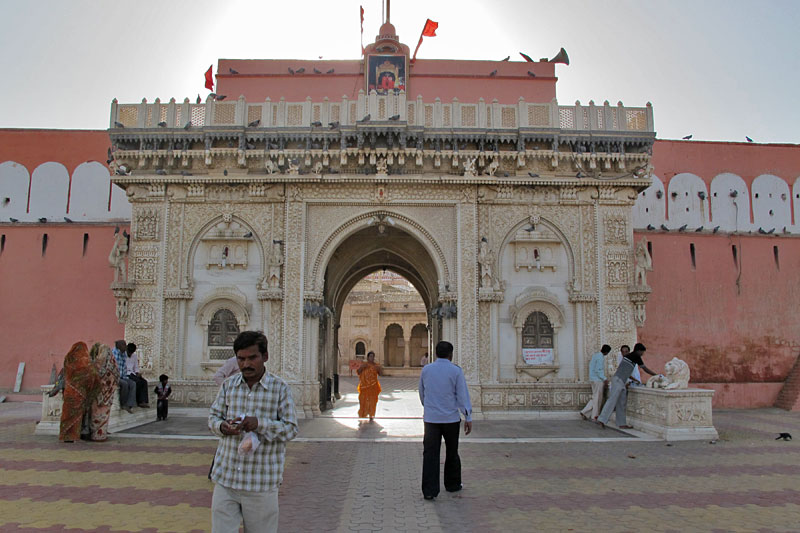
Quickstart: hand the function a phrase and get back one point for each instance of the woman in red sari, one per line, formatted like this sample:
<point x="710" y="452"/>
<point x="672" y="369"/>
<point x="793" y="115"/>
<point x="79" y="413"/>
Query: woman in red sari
<point x="108" y="376"/>
<point x="368" y="386"/>
<point x="80" y="386"/>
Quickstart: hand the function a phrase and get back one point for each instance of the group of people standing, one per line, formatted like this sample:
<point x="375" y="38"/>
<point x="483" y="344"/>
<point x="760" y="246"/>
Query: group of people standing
<point x="626" y="375"/>
<point x="89" y="379"/>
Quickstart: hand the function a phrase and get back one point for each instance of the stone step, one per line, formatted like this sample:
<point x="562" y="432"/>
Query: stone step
<point x="789" y="396"/>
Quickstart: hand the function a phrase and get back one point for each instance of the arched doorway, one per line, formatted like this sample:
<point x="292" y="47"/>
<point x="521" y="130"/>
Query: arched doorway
<point x="393" y="346"/>
<point x="418" y="346"/>
<point x="382" y="242"/>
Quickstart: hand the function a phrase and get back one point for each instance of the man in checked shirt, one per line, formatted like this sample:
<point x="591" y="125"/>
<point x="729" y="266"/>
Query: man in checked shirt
<point x="246" y="486"/>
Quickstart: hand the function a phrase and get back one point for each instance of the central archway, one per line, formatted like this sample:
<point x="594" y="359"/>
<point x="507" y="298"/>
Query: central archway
<point x="383" y="242"/>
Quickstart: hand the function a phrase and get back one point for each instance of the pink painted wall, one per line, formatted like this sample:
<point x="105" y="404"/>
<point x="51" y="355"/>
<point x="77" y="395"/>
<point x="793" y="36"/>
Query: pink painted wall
<point x="738" y="331"/>
<point x="466" y="80"/>
<point x="51" y="301"/>
<point x="68" y="147"/>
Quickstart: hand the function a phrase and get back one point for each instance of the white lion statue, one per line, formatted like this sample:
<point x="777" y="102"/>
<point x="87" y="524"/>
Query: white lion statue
<point x="676" y="376"/>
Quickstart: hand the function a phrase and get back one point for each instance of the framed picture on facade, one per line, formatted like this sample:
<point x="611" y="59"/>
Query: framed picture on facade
<point x="386" y="74"/>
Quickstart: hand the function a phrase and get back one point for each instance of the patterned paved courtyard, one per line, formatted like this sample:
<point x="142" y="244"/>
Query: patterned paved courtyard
<point x="746" y="481"/>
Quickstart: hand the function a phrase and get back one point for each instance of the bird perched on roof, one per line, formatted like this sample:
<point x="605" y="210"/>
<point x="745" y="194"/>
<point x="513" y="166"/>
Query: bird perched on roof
<point x="248" y="235"/>
<point x="683" y="228"/>
<point x="220" y="97"/>
<point x="12" y="219"/>
<point x="687" y="137"/>
<point x="198" y="98"/>
<point x="68" y="220"/>
<point x="329" y="71"/>
<point x="316" y="124"/>
<point x="651" y="227"/>
<point x="507" y="58"/>
<point x="533" y="174"/>
<point x="291" y="71"/>
<point x="187" y="125"/>
<point x="333" y="125"/>
<point x="43" y="220"/>
<point x="232" y="71"/>
<point x="716" y="229"/>
<point x="317" y="71"/>
<point x="185" y="173"/>
<point x="161" y="172"/>
<point x="665" y="228"/>
<point x="254" y="124"/>
<point x="748" y="139"/>
<point x="300" y="70"/>
<point x="162" y="124"/>
<point x="118" y="124"/>
<point x="394" y="117"/>
<point x="493" y="73"/>
<point x="698" y="230"/>
<point x="225" y="172"/>
<point x="580" y="175"/>
<point x="366" y="118"/>
<point x="531" y="74"/>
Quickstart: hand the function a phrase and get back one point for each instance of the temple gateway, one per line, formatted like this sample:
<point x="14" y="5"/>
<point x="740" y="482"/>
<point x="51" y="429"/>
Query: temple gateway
<point x="509" y="213"/>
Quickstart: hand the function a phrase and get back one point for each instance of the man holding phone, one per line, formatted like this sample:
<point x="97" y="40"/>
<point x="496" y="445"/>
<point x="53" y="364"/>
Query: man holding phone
<point x="246" y="485"/>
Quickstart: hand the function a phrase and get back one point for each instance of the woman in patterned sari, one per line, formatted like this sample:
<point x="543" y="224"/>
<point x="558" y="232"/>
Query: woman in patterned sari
<point x="80" y="386"/>
<point x="368" y="386"/>
<point x="108" y="376"/>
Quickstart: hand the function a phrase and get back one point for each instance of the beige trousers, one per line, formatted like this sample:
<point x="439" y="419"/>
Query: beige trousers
<point x="597" y="400"/>
<point x="258" y="510"/>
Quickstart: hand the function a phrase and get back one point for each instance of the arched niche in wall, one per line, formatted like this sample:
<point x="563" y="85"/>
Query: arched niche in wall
<point x="120" y="206"/>
<point x="687" y="201"/>
<point x="538" y="308"/>
<point x="771" y="203"/>
<point x="730" y="203"/>
<point x="49" y="192"/>
<point x="222" y="298"/>
<point x="89" y="193"/>
<point x="650" y="206"/>
<point x="14" y="184"/>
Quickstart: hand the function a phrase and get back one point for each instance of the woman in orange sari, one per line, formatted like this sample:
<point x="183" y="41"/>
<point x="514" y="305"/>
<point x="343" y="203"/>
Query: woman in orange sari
<point x="80" y="387"/>
<point x="368" y="386"/>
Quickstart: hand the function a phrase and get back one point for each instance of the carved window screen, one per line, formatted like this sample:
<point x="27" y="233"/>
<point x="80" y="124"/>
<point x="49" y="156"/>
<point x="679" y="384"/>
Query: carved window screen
<point x="223" y="329"/>
<point x="537" y="331"/>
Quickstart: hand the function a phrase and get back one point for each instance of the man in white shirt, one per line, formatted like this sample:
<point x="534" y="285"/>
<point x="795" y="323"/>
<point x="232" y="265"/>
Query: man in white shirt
<point x="133" y="372"/>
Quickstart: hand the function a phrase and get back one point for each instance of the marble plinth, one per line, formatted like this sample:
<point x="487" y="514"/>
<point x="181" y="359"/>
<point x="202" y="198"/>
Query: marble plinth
<point x="672" y="414"/>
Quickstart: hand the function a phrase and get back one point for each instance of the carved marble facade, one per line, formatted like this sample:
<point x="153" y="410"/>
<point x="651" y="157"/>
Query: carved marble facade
<point x="517" y="233"/>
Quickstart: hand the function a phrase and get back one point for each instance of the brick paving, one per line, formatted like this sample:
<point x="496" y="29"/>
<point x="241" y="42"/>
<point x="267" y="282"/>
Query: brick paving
<point x="746" y="481"/>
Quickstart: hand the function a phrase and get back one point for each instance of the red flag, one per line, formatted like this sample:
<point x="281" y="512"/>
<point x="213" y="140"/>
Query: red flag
<point x="430" y="28"/>
<point x="526" y="57"/>
<point x="209" y="79"/>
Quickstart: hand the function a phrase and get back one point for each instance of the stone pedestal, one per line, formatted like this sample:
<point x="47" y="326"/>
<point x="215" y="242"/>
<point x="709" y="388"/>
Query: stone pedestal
<point x="119" y="420"/>
<point x="683" y="414"/>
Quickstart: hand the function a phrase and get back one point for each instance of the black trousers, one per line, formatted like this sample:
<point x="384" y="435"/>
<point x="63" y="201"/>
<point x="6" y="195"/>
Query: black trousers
<point x="162" y="409"/>
<point x="432" y="444"/>
<point x="141" y="389"/>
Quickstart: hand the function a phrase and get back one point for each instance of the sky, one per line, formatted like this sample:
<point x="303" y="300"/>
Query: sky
<point x="719" y="70"/>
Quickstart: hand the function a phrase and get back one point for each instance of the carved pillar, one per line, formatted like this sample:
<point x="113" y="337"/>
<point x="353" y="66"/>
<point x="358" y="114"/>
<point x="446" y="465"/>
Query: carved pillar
<point x="406" y="348"/>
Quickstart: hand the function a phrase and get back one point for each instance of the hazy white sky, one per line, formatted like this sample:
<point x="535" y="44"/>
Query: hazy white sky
<point x="716" y="69"/>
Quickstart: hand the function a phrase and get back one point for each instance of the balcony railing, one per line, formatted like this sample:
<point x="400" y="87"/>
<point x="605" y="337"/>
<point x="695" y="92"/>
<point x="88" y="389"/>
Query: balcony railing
<point x="453" y="115"/>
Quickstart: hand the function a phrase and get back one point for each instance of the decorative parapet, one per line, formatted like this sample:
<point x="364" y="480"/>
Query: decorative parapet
<point x="122" y="293"/>
<point x="291" y="140"/>
<point x="455" y="115"/>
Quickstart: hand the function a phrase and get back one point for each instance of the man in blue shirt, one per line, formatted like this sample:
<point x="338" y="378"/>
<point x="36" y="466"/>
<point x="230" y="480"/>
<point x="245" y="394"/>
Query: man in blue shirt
<point x="444" y="396"/>
<point x="597" y="376"/>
